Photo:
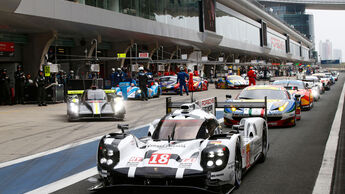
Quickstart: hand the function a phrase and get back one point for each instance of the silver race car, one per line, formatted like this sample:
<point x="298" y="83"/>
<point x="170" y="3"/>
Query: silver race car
<point x="95" y="104"/>
<point x="186" y="149"/>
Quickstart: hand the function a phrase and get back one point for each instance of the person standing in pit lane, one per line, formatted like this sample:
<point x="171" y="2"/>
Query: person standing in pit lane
<point x="190" y="81"/>
<point x="19" y="85"/>
<point x="5" y="94"/>
<point x="181" y="78"/>
<point x="119" y="77"/>
<point x="252" y="76"/>
<point x="300" y="74"/>
<point x="143" y="81"/>
<point x="41" y="82"/>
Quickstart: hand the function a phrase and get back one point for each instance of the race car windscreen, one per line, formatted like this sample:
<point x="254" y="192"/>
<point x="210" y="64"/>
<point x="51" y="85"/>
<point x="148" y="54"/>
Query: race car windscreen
<point x="261" y="93"/>
<point x="95" y="95"/>
<point x="185" y="129"/>
<point x="196" y="79"/>
<point x="312" y="78"/>
<point x="298" y="84"/>
<point x="235" y="78"/>
<point x="166" y="79"/>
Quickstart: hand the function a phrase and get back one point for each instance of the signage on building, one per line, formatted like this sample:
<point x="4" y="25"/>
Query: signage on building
<point x="6" y="49"/>
<point x="184" y="56"/>
<point x="143" y="55"/>
<point x="275" y="63"/>
<point x="47" y="71"/>
<point x="330" y="62"/>
<point x="276" y="43"/>
<point x="135" y="67"/>
<point x="221" y="59"/>
<point x="210" y="15"/>
<point x="161" y="68"/>
<point x="204" y="58"/>
<point x="121" y="55"/>
<point x="237" y="61"/>
<point x="94" y="68"/>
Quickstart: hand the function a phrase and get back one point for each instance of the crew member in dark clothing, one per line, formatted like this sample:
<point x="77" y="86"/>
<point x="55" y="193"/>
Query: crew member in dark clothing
<point x="181" y="78"/>
<point x="19" y="85"/>
<point x="143" y="79"/>
<point x="5" y="94"/>
<point x="41" y="82"/>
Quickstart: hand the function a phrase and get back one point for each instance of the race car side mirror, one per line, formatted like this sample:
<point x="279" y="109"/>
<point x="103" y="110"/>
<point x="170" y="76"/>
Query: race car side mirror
<point x="297" y="96"/>
<point x="123" y="127"/>
<point x="228" y="96"/>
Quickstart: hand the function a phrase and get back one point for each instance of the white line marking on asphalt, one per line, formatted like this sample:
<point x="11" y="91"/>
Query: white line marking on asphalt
<point x="65" y="147"/>
<point x="323" y="182"/>
<point x="52" y="187"/>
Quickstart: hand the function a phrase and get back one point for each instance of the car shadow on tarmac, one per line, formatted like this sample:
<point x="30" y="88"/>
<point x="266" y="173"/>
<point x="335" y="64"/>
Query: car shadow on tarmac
<point x="63" y="118"/>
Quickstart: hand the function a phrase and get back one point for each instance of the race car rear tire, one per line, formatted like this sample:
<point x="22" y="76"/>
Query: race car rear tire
<point x="238" y="165"/>
<point x="265" y="146"/>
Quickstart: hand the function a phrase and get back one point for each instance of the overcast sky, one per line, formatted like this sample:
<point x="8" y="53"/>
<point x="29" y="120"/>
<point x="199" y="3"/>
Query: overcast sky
<point x="329" y="25"/>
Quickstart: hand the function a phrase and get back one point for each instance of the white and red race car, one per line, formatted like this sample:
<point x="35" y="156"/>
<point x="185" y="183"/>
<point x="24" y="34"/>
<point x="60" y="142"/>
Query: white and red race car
<point x="186" y="148"/>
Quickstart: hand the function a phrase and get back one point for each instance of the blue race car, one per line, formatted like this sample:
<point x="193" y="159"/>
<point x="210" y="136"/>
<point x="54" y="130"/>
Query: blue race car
<point x="134" y="92"/>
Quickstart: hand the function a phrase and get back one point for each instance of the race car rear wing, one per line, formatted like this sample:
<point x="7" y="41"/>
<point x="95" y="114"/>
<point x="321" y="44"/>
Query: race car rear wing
<point x="80" y="92"/>
<point x="262" y="105"/>
<point x="211" y="104"/>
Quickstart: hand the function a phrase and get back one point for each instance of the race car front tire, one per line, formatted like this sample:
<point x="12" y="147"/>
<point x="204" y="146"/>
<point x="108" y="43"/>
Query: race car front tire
<point x="70" y="118"/>
<point x="238" y="165"/>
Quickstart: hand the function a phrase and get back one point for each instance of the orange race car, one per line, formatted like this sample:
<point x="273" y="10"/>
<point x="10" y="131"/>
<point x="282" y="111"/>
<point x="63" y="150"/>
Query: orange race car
<point x="298" y="87"/>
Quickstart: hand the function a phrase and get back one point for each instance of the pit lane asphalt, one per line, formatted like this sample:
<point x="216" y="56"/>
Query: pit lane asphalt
<point x="294" y="158"/>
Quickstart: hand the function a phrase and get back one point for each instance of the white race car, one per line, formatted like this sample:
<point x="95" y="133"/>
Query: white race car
<point x="187" y="149"/>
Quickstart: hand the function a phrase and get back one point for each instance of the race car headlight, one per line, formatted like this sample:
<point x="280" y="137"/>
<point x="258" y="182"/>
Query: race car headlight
<point x="73" y="108"/>
<point x="108" y="156"/>
<point x="219" y="162"/>
<point x="233" y="109"/>
<point x="119" y="104"/>
<point x="214" y="157"/>
<point x="139" y="91"/>
<point x="282" y="108"/>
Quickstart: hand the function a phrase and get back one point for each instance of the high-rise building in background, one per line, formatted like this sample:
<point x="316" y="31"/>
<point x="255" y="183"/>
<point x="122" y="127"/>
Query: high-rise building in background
<point x="293" y="14"/>
<point x="326" y="50"/>
<point x="337" y="54"/>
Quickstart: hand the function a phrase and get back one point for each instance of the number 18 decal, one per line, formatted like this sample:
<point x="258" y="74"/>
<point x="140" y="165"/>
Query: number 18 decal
<point x="159" y="158"/>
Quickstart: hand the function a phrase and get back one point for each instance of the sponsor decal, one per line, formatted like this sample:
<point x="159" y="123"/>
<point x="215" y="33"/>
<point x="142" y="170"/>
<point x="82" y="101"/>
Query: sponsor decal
<point x="215" y="142"/>
<point x="167" y="146"/>
<point x="248" y="156"/>
<point x="187" y="162"/>
<point x="207" y="105"/>
<point x="161" y="159"/>
<point x="134" y="161"/>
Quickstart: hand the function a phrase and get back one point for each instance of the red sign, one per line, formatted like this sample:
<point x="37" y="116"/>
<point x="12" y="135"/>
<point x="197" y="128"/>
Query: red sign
<point x="159" y="158"/>
<point x="275" y="63"/>
<point x="143" y="55"/>
<point x="6" y="47"/>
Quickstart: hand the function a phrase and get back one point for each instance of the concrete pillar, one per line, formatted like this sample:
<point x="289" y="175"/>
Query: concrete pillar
<point x="152" y="49"/>
<point x="125" y="51"/>
<point x="35" y="51"/>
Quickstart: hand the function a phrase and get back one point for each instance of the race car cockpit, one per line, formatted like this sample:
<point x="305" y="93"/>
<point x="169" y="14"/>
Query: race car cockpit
<point x="97" y="94"/>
